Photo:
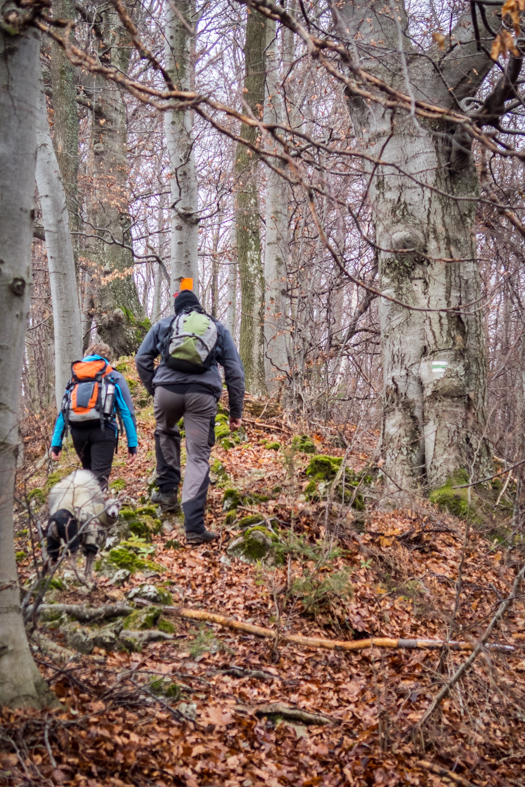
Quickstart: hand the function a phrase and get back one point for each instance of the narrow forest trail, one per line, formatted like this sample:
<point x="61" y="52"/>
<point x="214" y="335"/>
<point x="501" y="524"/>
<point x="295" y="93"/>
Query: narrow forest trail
<point x="194" y="709"/>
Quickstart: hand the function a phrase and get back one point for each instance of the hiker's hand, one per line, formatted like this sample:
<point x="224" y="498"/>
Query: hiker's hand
<point x="55" y="456"/>
<point x="235" y="423"/>
<point x="131" y="458"/>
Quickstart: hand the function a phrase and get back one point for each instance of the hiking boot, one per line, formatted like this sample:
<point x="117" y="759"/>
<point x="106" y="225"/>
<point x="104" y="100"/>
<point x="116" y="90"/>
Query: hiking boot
<point x="166" y="500"/>
<point x="201" y="538"/>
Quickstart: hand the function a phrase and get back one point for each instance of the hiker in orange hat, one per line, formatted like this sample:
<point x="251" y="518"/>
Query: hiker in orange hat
<point x="187" y="384"/>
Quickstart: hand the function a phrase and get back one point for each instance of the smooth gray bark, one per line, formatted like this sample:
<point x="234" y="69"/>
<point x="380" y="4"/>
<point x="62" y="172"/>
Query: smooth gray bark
<point x="60" y="258"/>
<point x="247" y="213"/>
<point x="276" y="241"/>
<point x="434" y="362"/>
<point x="66" y="124"/>
<point x="20" y="681"/>
<point x="179" y="141"/>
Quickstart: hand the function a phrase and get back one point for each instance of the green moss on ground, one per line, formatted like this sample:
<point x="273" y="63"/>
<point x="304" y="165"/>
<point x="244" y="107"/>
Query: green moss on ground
<point x="142" y="619"/>
<point x="304" y="444"/>
<point x="247" y="521"/>
<point x="272" y="446"/>
<point x="323" y="469"/>
<point x="455" y="500"/>
<point x="118" y="485"/>
<point x="121" y="557"/>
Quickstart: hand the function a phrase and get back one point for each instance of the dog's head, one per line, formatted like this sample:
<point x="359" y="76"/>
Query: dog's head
<point x="113" y="510"/>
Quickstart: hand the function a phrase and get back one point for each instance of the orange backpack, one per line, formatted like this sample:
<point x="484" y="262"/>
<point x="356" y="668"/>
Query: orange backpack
<point x="90" y="394"/>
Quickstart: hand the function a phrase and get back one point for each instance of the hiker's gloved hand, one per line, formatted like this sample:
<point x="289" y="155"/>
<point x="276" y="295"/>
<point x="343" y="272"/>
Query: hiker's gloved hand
<point x="55" y="454"/>
<point x="235" y="423"/>
<point x="132" y="455"/>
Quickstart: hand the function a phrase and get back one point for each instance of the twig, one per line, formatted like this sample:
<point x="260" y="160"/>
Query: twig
<point x="503" y="607"/>
<point x="440" y="771"/>
<point x="48" y="747"/>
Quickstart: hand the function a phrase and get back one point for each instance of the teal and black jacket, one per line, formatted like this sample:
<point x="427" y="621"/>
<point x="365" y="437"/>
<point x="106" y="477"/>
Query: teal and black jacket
<point x="123" y="407"/>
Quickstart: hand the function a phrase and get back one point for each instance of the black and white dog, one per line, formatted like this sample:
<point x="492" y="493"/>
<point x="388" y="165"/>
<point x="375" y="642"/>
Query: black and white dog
<point x="78" y="515"/>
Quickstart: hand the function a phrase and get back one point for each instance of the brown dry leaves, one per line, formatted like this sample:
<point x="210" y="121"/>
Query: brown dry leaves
<point x="404" y="573"/>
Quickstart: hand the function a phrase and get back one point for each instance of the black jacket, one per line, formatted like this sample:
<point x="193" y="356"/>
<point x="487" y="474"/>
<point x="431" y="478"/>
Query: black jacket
<point x="226" y="355"/>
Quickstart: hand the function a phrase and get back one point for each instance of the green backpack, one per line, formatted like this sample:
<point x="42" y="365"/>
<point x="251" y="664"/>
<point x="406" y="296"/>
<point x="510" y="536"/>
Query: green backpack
<point x="192" y="343"/>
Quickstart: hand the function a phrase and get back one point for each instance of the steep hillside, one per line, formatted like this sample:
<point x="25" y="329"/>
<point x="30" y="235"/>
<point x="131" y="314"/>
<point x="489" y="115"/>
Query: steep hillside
<point x="152" y="697"/>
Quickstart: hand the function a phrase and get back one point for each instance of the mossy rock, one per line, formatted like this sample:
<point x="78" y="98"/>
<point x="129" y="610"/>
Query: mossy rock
<point x="166" y="626"/>
<point x="129" y="514"/>
<point x="311" y="492"/>
<point x="132" y="385"/>
<point x="256" y="543"/>
<point x="276" y="490"/>
<point x="456" y="501"/>
<point x="218" y="472"/>
<point x="118" y="484"/>
<point x="141" y="530"/>
<point x="230" y="517"/>
<point x="304" y="444"/>
<point x="221" y="430"/>
<point x="150" y="511"/>
<point x="324" y="468"/>
<point x="143" y="619"/>
<point x="273" y="446"/>
<point x="121" y="557"/>
<point x="231" y="500"/>
<point x="222" y="418"/>
<point x="122" y="366"/>
<point x="19" y="556"/>
<point x="157" y="595"/>
<point x="248" y="521"/>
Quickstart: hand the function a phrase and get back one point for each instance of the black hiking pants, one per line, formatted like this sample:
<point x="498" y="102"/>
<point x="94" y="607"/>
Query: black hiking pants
<point x="95" y="448"/>
<point x="199" y="411"/>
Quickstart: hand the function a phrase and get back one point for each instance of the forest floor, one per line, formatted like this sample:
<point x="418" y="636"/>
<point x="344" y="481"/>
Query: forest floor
<point x="196" y="708"/>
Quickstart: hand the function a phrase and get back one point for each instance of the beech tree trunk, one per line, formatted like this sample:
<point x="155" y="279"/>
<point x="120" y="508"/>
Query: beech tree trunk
<point x="276" y="242"/>
<point x="423" y="202"/>
<point x="60" y="258"/>
<point x="20" y="681"/>
<point x="179" y="141"/>
<point x="251" y="273"/>
<point x="65" y="129"/>
<point x="113" y="298"/>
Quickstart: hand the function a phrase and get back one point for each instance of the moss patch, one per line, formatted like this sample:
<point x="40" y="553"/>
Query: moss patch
<point x="304" y="444"/>
<point x="118" y="484"/>
<point x="456" y="501"/>
<point x="125" y="558"/>
<point x="323" y="469"/>
<point x="248" y="521"/>
<point x="143" y="619"/>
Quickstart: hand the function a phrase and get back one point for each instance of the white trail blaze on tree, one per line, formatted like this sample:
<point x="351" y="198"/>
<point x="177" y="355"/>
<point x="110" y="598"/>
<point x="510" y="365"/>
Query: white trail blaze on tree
<point x="179" y="142"/>
<point x="60" y="258"/>
<point x="423" y="200"/>
<point x="20" y="681"/>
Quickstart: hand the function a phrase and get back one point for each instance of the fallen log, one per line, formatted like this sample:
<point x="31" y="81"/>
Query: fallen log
<point x="328" y="644"/>
<point x="83" y="613"/>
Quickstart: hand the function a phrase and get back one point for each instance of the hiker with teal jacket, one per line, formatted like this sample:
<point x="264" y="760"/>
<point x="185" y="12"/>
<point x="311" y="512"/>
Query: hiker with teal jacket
<point x="96" y="396"/>
<point x="187" y="384"/>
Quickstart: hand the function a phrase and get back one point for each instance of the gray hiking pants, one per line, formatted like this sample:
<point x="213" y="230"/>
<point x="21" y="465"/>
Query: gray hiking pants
<point x="199" y="411"/>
